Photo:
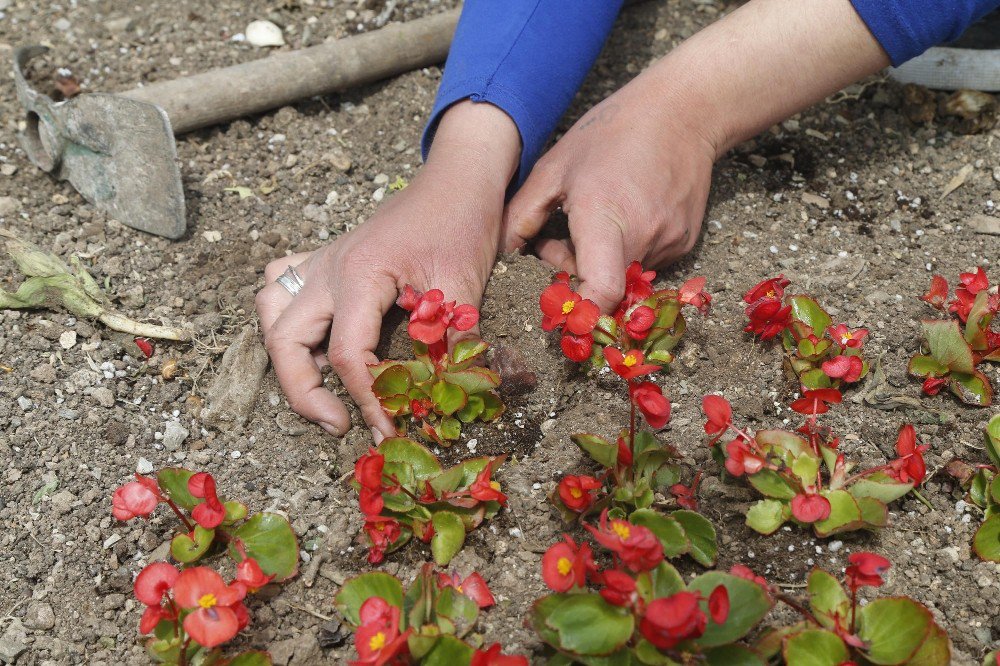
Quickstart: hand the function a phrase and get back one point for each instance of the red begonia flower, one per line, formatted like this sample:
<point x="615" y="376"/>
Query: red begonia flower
<point x="368" y="470"/>
<point x="134" y="499"/>
<point x="933" y="385"/>
<point x="152" y="616"/>
<point x="382" y="532"/>
<point x="561" y="306"/>
<point x="431" y="316"/>
<point x="719" y="413"/>
<point x="747" y="573"/>
<point x="768" y="318"/>
<point x="866" y="570"/>
<point x="770" y="289"/>
<point x="474" y="587"/>
<point x="154" y="581"/>
<point x="565" y="565"/>
<point x="493" y="657"/>
<point x="249" y="573"/>
<point x="687" y="495"/>
<point x="619" y="588"/>
<point x="214" y="620"/>
<point x="636" y="546"/>
<point x="486" y="489"/>
<point x="671" y="620"/>
<point x="718" y="604"/>
<point x="638" y="284"/>
<point x="693" y="293"/>
<point x="210" y="513"/>
<point x="577" y="348"/>
<point x="741" y="460"/>
<point x="649" y="398"/>
<point x="624" y="454"/>
<point x="847" y="368"/>
<point x="910" y="466"/>
<point x="576" y="492"/>
<point x="639" y="321"/>
<point x="562" y="276"/>
<point x="371" y="502"/>
<point x="809" y="508"/>
<point x="419" y="409"/>
<point x="817" y="401"/>
<point x="938" y="292"/>
<point x="628" y="365"/>
<point x="378" y="640"/>
<point x="846" y="338"/>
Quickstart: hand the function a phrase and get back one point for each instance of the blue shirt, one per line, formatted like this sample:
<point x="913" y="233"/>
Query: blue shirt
<point x="529" y="57"/>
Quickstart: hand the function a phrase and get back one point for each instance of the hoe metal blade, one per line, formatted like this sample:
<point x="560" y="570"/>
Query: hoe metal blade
<point x="117" y="152"/>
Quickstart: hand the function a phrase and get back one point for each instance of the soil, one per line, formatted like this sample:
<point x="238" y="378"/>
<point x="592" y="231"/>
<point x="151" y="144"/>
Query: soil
<point x="76" y="422"/>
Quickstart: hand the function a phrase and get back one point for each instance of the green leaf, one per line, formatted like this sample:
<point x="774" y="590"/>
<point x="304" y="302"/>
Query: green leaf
<point x="978" y="322"/>
<point x="700" y="532"/>
<point x="893" y="629"/>
<point x="493" y="406"/>
<point x="993" y="440"/>
<point x="733" y="655"/>
<point x="460" y="609"/>
<point x="648" y="655"/>
<point x="948" y="345"/>
<point x="448" y="651"/>
<point x="473" y="380"/>
<point x="448" y="398"/>
<point x="662" y="581"/>
<point x="269" y="539"/>
<point x="463" y="474"/>
<point x="588" y="625"/>
<point x="418" y="457"/>
<point x="449" y="428"/>
<point x="598" y="448"/>
<point x="670" y="532"/>
<point x="472" y="410"/>
<point x="880" y="486"/>
<point x="359" y="589"/>
<point x="785" y="444"/>
<point x="235" y="512"/>
<point x="252" y="658"/>
<point x="805" y="467"/>
<point x="394" y="380"/>
<point x="924" y="366"/>
<point x="873" y="512"/>
<point x="766" y="516"/>
<point x="986" y="543"/>
<point x="186" y="549"/>
<point x="815" y="647"/>
<point x="827" y="598"/>
<point x="972" y="388"/>
<point x="771" y="484"/>
<point x="174" y="480"/>
<point x="449" y="535"/>
<point x="935" y="650"/>
<point x="991" y="658"/>
<point x="845" y="514"/>
<point x="748" y="604"/>
<point x="809" y="311"/>
<point x="815" y="378"/>
<point x="995" y="489"/>
<point x="467" y="350"/>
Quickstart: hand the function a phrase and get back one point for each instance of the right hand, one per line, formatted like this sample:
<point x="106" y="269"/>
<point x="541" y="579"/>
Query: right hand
<point x="442" y="232"/>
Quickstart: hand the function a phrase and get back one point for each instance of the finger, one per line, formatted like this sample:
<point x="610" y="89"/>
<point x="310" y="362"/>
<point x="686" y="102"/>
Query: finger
<point x="600" y="255"/>
<point x="528" y="211"/>
<point x="353" y="338"/>
<point x="300" y="328"/>
<point x="558" y="253"/>
<point x="272" y="299"/>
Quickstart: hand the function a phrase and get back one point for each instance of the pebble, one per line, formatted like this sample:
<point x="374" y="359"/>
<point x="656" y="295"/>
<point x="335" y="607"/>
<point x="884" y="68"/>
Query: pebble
<point x="13" y="641"/>
<point x="144" y="466"/>
<point x="67" y="340"/>
<point x="338" y="160"/>
<point x="104" y="396"/>
<point x="24" y="403"/>
<point x="548" y="425"/>
<point x="39" y="616"/>
<point x="174" y="435"/>
<point x="264" y="33"/>
<point x="9" y="206"/>
<point x="996" y="174"/>
<point x="379" y="194"/>
<point x="62" y="24"/>
<point x="8" y="169"/>
<point x="62" y="502"/>
<point x="381" y="179"/>
<point x="119" y="25"/>
<point x="835" y="546"/>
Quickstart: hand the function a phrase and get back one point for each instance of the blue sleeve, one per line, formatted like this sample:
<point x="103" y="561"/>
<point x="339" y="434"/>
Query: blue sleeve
<point x="907" y="28"/>
<point x="528" y="57"/>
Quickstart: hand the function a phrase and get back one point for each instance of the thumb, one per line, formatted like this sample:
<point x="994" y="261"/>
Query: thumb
<point x="528" y="211"/>
<point x="600" y="256"/>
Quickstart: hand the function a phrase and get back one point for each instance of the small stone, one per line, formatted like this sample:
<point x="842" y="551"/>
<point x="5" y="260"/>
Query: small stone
<point x="996" y="174"/>
<point x="174" y="435"/>
<point x="104" y="396"/>
<point x="9" y="206"/>
<point x="43" y="372"/>
<point x="111" y="540"/>
<point x="264" y="33"/>
<point x="381" y="179"/>
<point x="144" y="466"/>
<point x="119" y="25"/>
<point x="548" y="425"/>
<point x="13" y="641"/>
<point x="338" y="160"/>
<point x="67" y="340"/>
<point x="39" y="616"/>
<point x="809" y="198"/>
<point x="835" y="546"/>
<point x="62" y="24"/>
<point x="24" y="403"/>
<point x="62" y="502"/>
<point x="212" y="236"/>
<point x="8" y="169"/>
<point x="379" y="194"/>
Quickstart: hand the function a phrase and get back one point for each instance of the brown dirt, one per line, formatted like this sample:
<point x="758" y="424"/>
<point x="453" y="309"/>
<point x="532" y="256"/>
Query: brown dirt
<point x="90" y="413"/>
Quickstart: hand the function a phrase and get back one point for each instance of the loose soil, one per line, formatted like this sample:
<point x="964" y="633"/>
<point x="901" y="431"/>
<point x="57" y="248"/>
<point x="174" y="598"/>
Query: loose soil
<point x="75" y="423"/>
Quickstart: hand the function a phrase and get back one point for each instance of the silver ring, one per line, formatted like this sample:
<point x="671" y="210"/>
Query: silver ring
<point x="291" y="281"/>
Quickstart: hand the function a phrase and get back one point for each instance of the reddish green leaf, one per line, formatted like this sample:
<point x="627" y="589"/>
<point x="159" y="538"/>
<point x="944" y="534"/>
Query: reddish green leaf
<point x="601" y="450"/>
<point x="986" y="543"/>
<point x="948" y="345"/>
<point x="466" y="350"/>
<point x="808" y="311"/>
<point x="394" y="380"/>
<point x="845" y="514"/>
<point x="449" y="535"/>
<point x="748" y="604"/>
<point x="893" y="629"/>
<point x="972" y="388"/>
<point x="269" y="539"/>
<point x="174" y="480"/>
<point x="448" y="398"/>
<point x="186" y="548"/>
<point x="358" y="590"/>
<point x="815" y="647"/>
<point x="923" y="366"/>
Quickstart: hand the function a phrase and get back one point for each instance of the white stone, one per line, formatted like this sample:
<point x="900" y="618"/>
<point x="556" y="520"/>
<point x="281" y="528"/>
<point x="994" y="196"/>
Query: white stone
<point x="264" y="33"/>
<point x="144" y="466"/>
<point x="67" y="339"/>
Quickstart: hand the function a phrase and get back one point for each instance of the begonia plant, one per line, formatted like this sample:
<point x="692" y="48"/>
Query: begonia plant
<point x="432" y="623"/>
<point x="983" y="485"/>
<point x="403" y="491"/>
<point x="821" y="354"/>
<point x="437" y="391"/>
<point x="954" y="348"/>
<point x="788" y="469"/>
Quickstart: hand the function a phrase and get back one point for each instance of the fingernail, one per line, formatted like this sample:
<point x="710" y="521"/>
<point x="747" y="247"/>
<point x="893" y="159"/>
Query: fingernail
<point x="330" y="428"/>
<point x="377" y="436"/>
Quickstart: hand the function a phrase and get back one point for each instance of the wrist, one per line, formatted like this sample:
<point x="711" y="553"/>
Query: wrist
<point x="478" y="142"/>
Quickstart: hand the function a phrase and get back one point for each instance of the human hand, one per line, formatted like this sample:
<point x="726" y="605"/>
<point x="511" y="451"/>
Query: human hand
<point x="442" y="232"/>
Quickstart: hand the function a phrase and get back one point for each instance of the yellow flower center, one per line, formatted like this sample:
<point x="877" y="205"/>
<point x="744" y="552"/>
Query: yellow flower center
<point x="377" y="642"/>
<point x="770" y="293"/>
<point x="845" y="337"/>
<point x="495" y="485"/>
<point x="208" y="600"/>
<point x="621" y="529"/>
<point x="564" y="566"/>
<point x="568" y="307"/>
<point x="630" y="360"/>
<point x="575" y="493"/>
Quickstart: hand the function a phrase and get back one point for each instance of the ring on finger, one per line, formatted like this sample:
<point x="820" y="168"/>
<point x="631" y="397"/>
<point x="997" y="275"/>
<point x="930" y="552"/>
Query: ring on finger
<point x="291" y="281"/>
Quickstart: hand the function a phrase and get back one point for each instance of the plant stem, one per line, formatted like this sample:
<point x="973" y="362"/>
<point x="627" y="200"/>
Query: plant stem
<point x="631" y="431"/>
<point x="854" y="606"/>
<point x="794" y="604"/>
<point x="180" y="514"/>
<point x="921" y="498"/>
<point x="184" y="649"/>
<point x="121" y="323"/>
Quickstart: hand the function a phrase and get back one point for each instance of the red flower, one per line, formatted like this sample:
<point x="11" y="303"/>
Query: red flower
<point x="382" y="532"/>
<point x="565" y="565"/>
<point x="648" y="397"/>
<point x="846" y="338"/>
<point x="933" y="385"/>
<point x="493" y="657"/>
<point x="938" y="292"/>
<point x="561" y="276"/>
<point x="154" y="581"/>
<point x="473" y="587"/>
<point x="638" y="284"/>
<point x="562" y="306"/>
<point x="214" y="621"/>
<point x="145" y="346"/>
<point x="485" y="489"/>
<point x="848" y="368"/>
<point x="719" y="413"/>
<point x="741" y="460"/>
<point x="718" y="604"/>
<point x="768" y="318"/>
<point x="210" y="513"/>
<point x="576" y="492"/>
<point x="693" y="293"/>
<point x="249" y="573"/>
<point x="910" y="466"/>
<point x="637" y="547"/>
<point x="809" y="507"/>
<point x="671" y="620"/>
<point x="419" y="409"/>
<point x="371" y="502"/>
<point x="639" y="322"/>
<point x="817" y="401"/>
<point x="770" y="289"/>
<point x="624" y="454"/>
<point x="368" y="470"/>
<point x="687" y="496"/>
<point x="629" y="365"/>
<point x="431" y="316"/>
<point x="747" y="573"/>
<point x="866" y="570"/>
<point x="577" y="348"/>
<point x="378" y="640"/>
<point x="135" y="498"/>
<point x="619" y="588"/>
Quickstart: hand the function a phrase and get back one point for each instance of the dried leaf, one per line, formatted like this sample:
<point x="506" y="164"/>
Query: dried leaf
<point x="958" y="180"/>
